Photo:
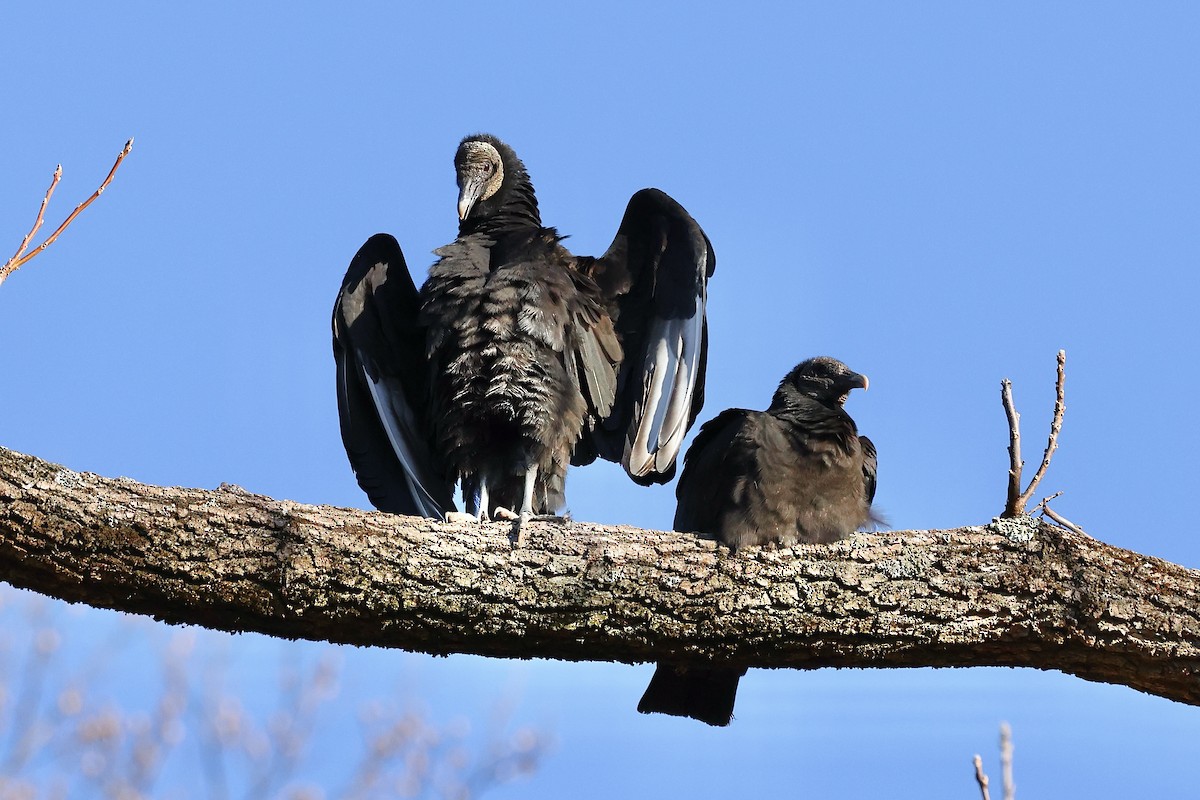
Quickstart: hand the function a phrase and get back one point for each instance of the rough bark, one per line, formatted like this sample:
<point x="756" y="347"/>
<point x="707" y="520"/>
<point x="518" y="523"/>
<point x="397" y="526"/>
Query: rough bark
<point x="1011" y="593"/>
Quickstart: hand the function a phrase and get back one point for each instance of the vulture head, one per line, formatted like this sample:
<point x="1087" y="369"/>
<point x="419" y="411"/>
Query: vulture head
<point x="824" y="379"/>
<point x="487" y="170"/>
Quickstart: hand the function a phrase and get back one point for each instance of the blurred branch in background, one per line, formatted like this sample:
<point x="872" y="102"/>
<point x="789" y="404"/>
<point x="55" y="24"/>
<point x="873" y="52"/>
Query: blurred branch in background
<point x="1006" y="752"/>
<point x="982" y="779"/>
<point x="138" y="712"/>
<point x="20" y="258"/>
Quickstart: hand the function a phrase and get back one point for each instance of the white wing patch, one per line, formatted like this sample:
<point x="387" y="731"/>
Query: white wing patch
<point x="672" y="363"/>
<point x="395" y="415"/>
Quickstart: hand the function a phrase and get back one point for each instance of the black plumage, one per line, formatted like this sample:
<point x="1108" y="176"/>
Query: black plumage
<point x="517" y="358"/>
<point x="797" y="472"/>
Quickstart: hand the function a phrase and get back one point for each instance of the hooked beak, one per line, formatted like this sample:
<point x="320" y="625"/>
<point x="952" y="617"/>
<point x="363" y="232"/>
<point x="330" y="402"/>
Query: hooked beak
<point x="468" y="194"/>
<point x="853" y="380"/>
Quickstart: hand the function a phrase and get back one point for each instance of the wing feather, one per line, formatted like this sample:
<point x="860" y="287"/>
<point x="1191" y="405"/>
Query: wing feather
<point x="382" y="384"/>
<point x="654" y="277"/>
<point x="870" y="466"/>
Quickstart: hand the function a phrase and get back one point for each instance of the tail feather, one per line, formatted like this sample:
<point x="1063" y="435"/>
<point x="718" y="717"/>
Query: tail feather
<point x="706" y="694"/>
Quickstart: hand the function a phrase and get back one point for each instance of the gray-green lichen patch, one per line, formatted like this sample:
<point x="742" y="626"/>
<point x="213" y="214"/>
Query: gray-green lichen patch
<point x="910" y="565"/>
<point x="1020" y="529"/>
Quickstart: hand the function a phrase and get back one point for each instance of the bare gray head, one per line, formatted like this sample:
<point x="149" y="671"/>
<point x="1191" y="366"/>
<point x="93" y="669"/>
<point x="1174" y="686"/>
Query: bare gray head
<point x="479" y="168"/>
<point x="493" y="186"/>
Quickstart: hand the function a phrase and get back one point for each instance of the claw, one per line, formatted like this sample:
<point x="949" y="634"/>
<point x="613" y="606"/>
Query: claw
<point x="503" y="513"/>
<point x="521" y="522"/>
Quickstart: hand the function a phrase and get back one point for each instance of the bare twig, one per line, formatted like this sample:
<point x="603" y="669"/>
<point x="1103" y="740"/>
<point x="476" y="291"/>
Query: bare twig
<point x="1012" y="506"/>
<point x="41" y="216"/>
<point x="1044" y="508"/>
<point x="18" y="260"/>
<point x="1043" y="503"/>
<point x="1017" y="500"/>
<point x="1006" y="756"/>
<point x="1055" y="427"/>
<point x="981" y="779"/>
<point x="1063" y="521"/>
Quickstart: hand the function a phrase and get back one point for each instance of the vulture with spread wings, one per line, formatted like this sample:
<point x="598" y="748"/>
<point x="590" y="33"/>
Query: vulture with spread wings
<point x="516" y="357"/>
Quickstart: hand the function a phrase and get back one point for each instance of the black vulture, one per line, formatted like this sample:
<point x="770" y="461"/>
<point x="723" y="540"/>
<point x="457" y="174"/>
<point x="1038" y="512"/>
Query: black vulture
<point x="797" y="472"/>
<point x="517" y="357"/>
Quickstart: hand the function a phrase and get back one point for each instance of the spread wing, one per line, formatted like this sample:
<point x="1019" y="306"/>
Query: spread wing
<point x="654" y="280"/>
<point x="382" y="384"/>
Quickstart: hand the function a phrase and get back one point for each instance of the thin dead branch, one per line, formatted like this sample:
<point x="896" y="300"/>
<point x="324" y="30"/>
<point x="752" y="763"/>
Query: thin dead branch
<point x="1006" y="759"/>
<point x="981" y="778"/>
<point x="20" y="258"/>
<point x="1017" y="500"/>
<point x="1063" y="521"/>
<point x="1055" y="428"/>
<point x="1014" y="450"/>
<point x="1045" y="500"/>
<point x="1044" y="509"/>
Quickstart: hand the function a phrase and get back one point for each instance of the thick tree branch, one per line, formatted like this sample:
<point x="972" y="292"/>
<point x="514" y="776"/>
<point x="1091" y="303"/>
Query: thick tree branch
<point x="1012" y="593"/>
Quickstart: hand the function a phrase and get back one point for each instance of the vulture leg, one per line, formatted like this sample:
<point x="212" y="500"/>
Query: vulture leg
<point x="481" y="513"/>
<point x="526" y="512"/>
<point x="526" y="504"/>
<point x="527" y="498"/>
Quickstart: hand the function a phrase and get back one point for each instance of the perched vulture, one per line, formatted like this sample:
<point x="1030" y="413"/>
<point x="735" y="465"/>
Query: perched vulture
<point x="797" y="472"/>
<point x="516" y="357"/>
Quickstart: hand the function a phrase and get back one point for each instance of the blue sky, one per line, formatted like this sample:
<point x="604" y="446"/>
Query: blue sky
<point x="939" y="195"/>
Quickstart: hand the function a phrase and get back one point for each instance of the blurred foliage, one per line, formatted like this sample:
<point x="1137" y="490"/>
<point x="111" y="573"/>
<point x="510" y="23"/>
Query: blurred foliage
<point x="103" y="705"/>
